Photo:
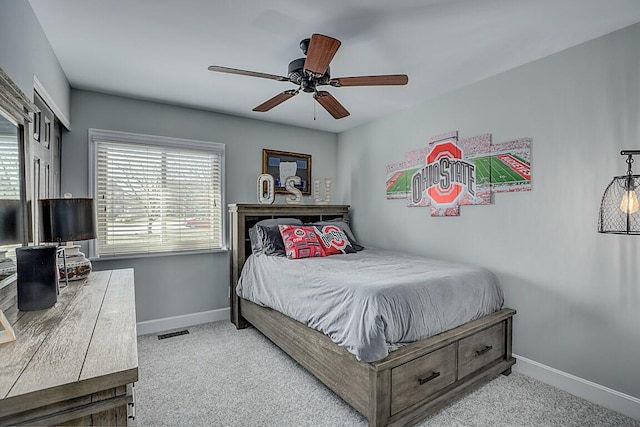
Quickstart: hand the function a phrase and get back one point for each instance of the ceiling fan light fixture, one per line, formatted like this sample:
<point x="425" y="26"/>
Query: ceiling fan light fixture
<point x="313" y="71"/>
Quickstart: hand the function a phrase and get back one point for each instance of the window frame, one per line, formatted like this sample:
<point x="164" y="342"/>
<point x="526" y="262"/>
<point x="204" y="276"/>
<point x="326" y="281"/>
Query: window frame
<point x="11" y="247"/>
<point x="98" y="135"/>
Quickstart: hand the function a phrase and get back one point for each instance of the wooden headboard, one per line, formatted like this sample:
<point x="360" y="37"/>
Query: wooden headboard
<point x="244" y="216"/>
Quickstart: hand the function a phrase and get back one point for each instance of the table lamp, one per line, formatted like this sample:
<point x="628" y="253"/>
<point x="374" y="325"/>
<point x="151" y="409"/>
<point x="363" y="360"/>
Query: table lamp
<point x="69" y="220"/>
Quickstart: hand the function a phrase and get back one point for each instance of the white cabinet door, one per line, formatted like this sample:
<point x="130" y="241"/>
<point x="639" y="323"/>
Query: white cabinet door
<point x="43" y="160"/>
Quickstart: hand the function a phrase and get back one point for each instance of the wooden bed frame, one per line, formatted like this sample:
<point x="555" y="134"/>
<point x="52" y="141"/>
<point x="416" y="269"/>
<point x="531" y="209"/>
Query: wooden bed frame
<point x="407" y="386"/>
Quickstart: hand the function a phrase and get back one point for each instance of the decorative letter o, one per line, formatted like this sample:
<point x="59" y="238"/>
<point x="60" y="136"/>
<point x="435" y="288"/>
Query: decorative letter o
<point x="265" y="197"/>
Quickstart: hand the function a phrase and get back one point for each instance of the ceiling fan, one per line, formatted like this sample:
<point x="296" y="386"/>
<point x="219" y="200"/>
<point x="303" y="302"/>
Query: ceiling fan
<point x="313" y="71"/>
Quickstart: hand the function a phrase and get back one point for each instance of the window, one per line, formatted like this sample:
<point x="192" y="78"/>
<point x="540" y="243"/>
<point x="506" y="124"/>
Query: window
<point x="155" y="194"/>
<point x="10" y="204"/>
<point x="9" y="161"/>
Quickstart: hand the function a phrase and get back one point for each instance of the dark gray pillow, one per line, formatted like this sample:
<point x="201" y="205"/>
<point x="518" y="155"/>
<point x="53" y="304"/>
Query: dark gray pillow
<point x="280" y="221"/>
<point x="266" y="238"/>
<point x="344" y="226"/>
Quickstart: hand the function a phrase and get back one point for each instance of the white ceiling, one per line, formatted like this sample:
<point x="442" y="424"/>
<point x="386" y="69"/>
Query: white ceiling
<point x="160" y="49"/>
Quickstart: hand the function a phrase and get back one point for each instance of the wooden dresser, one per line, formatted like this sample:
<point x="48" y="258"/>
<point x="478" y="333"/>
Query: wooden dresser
<point x="75" y="363"/>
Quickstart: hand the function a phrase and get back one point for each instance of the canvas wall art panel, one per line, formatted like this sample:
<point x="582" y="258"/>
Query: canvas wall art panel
<point x="452" y="172"/>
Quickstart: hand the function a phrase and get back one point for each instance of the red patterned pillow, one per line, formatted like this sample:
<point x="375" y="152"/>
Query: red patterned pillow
<point x="334" y="241"/>
<point x="300" y="242"/>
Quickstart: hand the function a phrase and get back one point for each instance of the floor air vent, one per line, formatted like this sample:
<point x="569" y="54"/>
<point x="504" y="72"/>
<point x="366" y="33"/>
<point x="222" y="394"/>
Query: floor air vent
<point x="173" y="334"/>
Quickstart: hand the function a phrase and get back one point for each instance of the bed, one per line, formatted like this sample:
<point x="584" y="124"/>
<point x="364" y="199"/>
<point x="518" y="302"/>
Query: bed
<point x="404" y="386"/>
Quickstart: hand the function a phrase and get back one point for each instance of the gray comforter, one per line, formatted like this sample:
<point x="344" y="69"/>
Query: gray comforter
<point x="373" y="301"/>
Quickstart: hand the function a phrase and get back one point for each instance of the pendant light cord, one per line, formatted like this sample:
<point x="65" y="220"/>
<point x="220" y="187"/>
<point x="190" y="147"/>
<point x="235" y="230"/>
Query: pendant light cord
<point x="629" y="186"/>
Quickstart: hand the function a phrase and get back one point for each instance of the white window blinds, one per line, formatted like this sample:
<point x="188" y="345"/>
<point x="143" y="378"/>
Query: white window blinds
<point x="9" y="190"/>
<point x="157" y="198"/>
<point x="9" y="167"/>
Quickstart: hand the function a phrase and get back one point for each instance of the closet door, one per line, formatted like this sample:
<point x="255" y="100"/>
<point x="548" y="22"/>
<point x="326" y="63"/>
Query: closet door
<point x="43" y="156"/>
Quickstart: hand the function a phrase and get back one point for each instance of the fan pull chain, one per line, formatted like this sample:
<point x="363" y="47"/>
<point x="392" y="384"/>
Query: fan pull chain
<point x="314" y="110"/>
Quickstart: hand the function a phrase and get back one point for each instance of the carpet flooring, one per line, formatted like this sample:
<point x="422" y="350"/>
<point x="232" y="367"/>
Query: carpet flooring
<point x="219" y="376"/>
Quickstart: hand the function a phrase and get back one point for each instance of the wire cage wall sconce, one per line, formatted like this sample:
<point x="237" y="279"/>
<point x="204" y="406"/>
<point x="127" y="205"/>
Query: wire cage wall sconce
<point x="620" y="207"/>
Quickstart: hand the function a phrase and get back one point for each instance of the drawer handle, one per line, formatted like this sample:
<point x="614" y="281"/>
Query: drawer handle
<point x="484" y="350"/>
<point x="429" y="378"/>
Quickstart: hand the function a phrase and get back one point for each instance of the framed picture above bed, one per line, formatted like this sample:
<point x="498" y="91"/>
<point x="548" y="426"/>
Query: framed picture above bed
<point x="283" y="164"/>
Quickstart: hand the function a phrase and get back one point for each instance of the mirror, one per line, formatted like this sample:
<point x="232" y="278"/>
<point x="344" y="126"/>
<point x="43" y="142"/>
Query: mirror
<point x="16" y="112"/>
<point x="10" y="203"/>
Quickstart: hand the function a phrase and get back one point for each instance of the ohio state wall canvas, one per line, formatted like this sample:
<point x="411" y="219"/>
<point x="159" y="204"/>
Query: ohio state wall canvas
<point x="511" y="166"/>
<point x="453" y="172"/>
<point x="397" y="185"/>
<point x="417" y="192"/>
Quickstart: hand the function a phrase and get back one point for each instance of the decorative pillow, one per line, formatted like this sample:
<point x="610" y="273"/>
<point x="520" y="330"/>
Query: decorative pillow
<point x="344" y="226"/>
<point x="279" y="221"/>
<point x="266" y="238"/>
<point x="333" y="240"/>
<point x="300" y="242"/>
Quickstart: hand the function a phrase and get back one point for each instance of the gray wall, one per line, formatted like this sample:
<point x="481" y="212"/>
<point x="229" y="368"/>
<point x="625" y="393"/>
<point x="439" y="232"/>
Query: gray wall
<point x="577" y="292"/>
<point x="183" y="284"/>
<point x="25" y="52"/>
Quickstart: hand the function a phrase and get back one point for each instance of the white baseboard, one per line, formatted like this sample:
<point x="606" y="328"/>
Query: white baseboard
<point x="596" y="393"/>
<point x="159" y="325"/>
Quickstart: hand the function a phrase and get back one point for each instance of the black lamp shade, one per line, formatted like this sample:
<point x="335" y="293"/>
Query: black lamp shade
<point x="66" y="220"/>
<point x="10" y="222"/>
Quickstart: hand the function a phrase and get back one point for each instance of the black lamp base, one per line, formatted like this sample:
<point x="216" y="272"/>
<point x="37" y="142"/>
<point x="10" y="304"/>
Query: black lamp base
<point x="37" y="278"/>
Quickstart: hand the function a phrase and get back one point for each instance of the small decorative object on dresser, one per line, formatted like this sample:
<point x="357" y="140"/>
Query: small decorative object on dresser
<point x="72" y="263"/>
<point x="7" y="266"/>
<point x="6" y="331"/>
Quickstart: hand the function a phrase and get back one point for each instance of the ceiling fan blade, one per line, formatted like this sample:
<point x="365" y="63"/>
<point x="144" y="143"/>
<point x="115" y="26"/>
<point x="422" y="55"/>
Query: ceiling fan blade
<point x="321" y="51"/>
<point x="275" y="101"/>
<point x="247" y="73"/>
<point x="387" y="80"/>
<point x="331" y="104"/>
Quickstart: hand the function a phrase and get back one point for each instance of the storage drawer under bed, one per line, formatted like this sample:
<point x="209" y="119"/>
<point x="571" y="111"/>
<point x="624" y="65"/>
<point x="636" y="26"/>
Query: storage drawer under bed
<point x="480" y="349"/>
<point x="421" y="377"/>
